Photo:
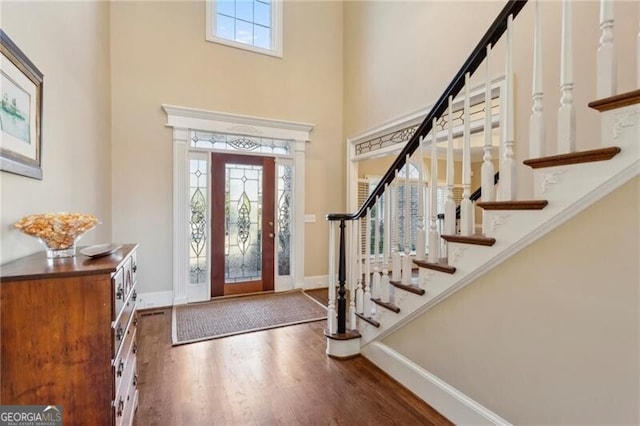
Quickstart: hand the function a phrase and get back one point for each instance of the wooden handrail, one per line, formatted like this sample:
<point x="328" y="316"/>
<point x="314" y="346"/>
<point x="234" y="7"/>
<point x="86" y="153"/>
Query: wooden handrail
<point x="491" y="37"/>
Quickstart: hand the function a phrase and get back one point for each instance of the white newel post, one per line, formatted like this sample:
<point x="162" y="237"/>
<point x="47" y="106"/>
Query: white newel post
<point x="567" y="112"/>
<point x="607" y="64"/>
<point x="536" y="121"/>
<point x="450" y="205"/>
<point x="434" y="237"/>
<point x="386" y="245"/>
<point x="508" y="163"/>
<point x="180" y="215"/>
<point x="420" y="234"/>
<point x="466" y="206"/>
<point x="488" y="170"/>
<point x="332" y="315"/>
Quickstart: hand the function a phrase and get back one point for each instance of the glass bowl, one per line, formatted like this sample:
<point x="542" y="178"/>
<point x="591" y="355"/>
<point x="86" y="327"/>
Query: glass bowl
<point x="58" y="232"/>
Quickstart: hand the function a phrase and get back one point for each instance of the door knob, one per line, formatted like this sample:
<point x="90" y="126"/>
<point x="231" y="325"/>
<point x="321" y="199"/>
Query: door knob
<point x="271" y="234"/>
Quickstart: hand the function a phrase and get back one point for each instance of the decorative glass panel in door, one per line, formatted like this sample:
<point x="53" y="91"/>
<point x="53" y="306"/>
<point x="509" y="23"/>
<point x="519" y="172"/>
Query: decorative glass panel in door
<point x="242" y="224"/>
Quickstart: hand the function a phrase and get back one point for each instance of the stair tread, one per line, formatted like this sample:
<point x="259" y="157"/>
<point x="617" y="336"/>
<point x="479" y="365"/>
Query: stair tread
<point x="411" y="288"/>
<point x="369" y="320"/>
<point x="348" y="335"/>
<point x="477" y="239"/>
<point x="441" y="267"/>
<point x="387" y="305"/>
<point x="616" y="101"/>
<point x="513" y="205"/>
<point x="600" y="154"/>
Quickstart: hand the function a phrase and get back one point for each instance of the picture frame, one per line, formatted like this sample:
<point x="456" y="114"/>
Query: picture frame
<point x="21" y="85"/>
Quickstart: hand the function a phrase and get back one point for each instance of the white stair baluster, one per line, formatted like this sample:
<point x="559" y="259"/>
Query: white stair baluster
<point x="386" y="245"/>
<point x="332" y="315"/>
<point x="488" y="170"/>
<point x="607" y="78"/>
<point x="536" y="121"/>
<point x="466" y="206"/>
<point x="450" y="205"/>
<point x="360" y="289"/>
<point x="638" y="57"/>
<point x="353" y="284"/>
<point x="567" y="112"/>
<point x="420" y="234"/>
<point x="434" y="237"/>
<point x="375" y="287"/>
<point x="396" y="268"/>
<point x="406" y="260"/>
<point x="508" y="163"/>
<point x="367" y="267"/>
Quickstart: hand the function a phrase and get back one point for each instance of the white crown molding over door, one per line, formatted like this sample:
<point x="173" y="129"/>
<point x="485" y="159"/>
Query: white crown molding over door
<point x="183" y="120"/>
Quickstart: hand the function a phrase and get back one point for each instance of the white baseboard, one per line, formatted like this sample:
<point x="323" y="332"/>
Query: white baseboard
<point x="451" y="403"/>
<point x="155" y="299"/>
<point x="317" y="281"/>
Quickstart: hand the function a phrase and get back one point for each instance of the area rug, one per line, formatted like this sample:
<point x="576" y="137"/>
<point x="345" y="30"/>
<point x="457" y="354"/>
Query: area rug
<point x="226" y="317"/>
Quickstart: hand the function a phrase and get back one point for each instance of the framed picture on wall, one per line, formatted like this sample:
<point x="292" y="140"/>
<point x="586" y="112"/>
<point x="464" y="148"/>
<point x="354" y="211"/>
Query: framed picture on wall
<point x="20" y="112"/>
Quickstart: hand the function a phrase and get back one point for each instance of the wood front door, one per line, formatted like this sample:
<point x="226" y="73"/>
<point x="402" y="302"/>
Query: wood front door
<point x="242" y="224"/>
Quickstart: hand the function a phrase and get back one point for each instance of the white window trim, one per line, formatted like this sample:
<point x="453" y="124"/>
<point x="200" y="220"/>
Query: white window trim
<point x="183" y="121"/>
<point x="276" y="30"/>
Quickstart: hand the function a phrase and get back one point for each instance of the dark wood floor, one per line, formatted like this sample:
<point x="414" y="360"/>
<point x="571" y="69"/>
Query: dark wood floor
<point x="274" y="377"/>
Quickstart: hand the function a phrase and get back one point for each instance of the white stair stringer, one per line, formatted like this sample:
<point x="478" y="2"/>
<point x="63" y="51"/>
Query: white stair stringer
<point x="569" y="190"/>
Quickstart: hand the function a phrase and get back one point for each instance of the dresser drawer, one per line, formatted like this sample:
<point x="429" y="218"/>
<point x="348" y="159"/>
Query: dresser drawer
<point x="127" y="398"/>
<point x="134" y="267"/>
<point x="128" y="278"/>
<point x="119" y="293"/>
<point x="122" y="324"/>
<point x="126" y="359"/>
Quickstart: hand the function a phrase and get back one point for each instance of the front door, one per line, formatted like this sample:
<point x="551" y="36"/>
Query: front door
<point x="242" y="224"/>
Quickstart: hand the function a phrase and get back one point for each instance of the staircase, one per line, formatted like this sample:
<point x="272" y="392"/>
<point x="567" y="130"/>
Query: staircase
<point x="384" y="293"/>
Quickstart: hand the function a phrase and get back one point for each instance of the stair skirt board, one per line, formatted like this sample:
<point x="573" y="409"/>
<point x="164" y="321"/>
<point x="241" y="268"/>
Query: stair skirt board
<point x="570" y="190"/>
<point x="447" y="400"/>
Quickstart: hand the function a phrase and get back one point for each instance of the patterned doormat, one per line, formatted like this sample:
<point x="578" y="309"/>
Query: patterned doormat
<point x="226" y="317"/>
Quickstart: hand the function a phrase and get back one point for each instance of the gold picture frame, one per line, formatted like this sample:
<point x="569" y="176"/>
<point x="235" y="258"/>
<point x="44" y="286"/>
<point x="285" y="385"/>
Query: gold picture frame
<point x="20" y="112"/>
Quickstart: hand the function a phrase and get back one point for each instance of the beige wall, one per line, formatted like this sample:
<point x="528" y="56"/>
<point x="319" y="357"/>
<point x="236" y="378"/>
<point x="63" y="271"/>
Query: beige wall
<point x="552" y="335"/>
<point x="400" y="56"/>
<point x="69" y="43"/>
<point x="159" y="55"/>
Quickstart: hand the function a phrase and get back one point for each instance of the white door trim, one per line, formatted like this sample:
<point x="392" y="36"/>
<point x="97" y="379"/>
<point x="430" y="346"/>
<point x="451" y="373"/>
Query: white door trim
<point x="183" y="120"/>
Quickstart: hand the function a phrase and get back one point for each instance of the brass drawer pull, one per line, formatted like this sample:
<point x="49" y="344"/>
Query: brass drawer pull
<point x="120" y="368"/>
<point x="135" y="348"/>
<point x="135" y="380"/>
<point x="134" y="268"/>
<point x="119" y="333"/>
<point x="120" y="292"/>
<point x="134" y="296"/>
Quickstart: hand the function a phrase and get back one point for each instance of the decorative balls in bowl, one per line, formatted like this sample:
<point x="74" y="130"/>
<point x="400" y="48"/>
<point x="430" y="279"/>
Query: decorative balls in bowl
<point x="58" y="232"/>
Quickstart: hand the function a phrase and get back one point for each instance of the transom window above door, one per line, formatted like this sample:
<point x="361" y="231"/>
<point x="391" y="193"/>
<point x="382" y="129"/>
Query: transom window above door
<point x="254" y="25"/>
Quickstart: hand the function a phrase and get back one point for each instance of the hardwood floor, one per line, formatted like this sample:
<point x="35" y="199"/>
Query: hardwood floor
<point x="274" y="377"/>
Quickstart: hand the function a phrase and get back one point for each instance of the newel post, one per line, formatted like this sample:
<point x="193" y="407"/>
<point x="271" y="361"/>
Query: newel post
<point x="342" y="302"/>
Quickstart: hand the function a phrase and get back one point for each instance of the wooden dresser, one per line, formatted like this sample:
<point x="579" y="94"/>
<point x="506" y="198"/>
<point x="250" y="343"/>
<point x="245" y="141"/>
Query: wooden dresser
<point x="68" y="334"/>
